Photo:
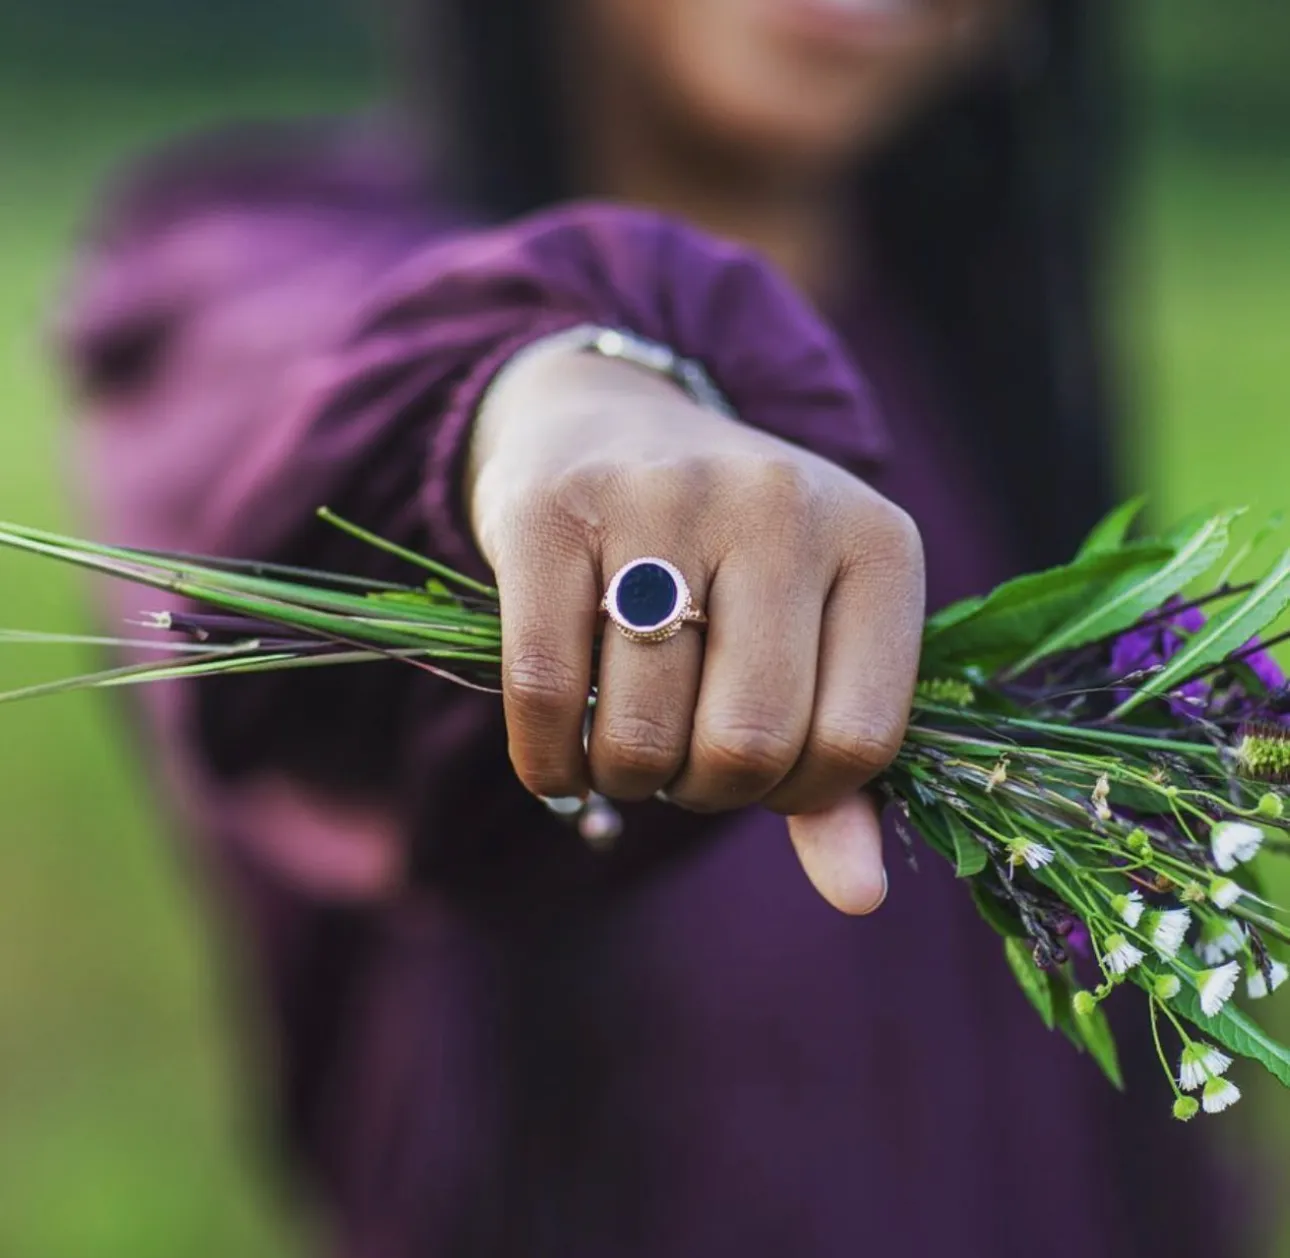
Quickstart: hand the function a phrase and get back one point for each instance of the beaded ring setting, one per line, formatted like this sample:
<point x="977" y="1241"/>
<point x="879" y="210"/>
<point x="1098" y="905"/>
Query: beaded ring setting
<point x="648" y="600"/>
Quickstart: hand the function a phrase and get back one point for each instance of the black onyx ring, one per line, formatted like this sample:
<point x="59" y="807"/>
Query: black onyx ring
<point x="648" y="600"/>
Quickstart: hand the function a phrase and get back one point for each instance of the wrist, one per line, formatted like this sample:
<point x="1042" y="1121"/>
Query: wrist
<point x="570" y="381"/>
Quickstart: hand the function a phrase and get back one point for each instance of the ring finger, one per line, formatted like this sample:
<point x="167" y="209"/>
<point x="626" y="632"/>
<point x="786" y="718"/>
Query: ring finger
<point x="645" y="703"/>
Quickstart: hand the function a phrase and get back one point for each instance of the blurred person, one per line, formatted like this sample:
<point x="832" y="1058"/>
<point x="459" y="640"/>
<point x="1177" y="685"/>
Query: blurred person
<point x="872" y="227"/>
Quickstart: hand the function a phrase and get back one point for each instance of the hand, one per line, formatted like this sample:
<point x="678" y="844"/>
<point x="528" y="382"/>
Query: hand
<point x="799" y="691"/>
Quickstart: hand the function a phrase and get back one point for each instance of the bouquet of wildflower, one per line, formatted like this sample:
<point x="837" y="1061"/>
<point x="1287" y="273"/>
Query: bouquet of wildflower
<point x="1096" y="749"/>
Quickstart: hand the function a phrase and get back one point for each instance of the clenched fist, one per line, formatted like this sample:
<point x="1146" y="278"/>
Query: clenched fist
<point x="799" y="690"/>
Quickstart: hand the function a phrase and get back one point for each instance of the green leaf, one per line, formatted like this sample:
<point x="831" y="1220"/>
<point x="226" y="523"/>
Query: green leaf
<point x="992" y="910"/>
<point x="1095" y="1032"/>
<point x="1135" y="594"/>
<point x="1030" y="978"/>
<point x="970" y="856"/>
<point x="1233" y="1029"/>
<point x="1109" y="532"/>
<point x="1228" y="630"/>
<point x="1017" y="614"/>
<point x="949" y="616"/>
<point x="1049" y="993"/>
<point x="930" y="826"/>
<point x="1065" y="1012"/>
<point x="1247" y="548"/>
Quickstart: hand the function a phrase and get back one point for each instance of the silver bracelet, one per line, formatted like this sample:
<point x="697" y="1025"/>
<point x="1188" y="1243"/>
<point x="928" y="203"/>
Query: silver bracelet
<point x="627" y="346"/>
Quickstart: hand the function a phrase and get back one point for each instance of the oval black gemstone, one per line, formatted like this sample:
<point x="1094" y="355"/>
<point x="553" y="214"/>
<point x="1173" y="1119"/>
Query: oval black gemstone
<point x="647" y="595"/>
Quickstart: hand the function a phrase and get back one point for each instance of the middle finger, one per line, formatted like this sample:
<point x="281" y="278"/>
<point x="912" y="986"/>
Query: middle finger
<point x="755" y="699"/>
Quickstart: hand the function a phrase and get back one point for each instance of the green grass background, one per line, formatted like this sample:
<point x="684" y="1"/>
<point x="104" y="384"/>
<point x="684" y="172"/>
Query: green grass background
<point x="125" y="1125"/>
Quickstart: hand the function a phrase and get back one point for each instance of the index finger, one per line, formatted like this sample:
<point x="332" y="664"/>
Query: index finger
<point x="549" y="617"/>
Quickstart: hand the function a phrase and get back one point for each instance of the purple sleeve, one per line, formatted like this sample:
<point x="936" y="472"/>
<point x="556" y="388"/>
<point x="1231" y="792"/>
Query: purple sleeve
<point x="403" y="384"/>
<point x="243" y="366"/>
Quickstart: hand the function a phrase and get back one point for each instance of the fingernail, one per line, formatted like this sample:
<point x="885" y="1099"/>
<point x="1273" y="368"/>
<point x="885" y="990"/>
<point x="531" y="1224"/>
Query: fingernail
<point x="882" y="897"/>
<point x="564" y="805"/>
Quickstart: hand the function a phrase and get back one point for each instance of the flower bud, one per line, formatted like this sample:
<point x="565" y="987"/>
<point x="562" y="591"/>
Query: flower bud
<point x="1138" y="842"/>
<point x="1084" y="1003"/>
<point x="1270" y="805"/>
<point x="1186" y="1107"/>
<point x="1264" y="752"/>
<point x="1166" y="987"/>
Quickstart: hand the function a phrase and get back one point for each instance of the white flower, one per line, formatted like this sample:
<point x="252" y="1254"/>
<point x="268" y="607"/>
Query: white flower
<point x="1201" y="1062"/>
<point x="1218" y="1095"/>
<point x="1256" y="986"/>
<point x="1233" y="843"/>
<point x="1216" y="986"/>
<point x="1223" y="893"/>
<point x="1120" y="955"/>
<point x="1219" y="939"/>
<point x="1027" y="851"/>
<point x="1130" y="907"/>
<point x="1168" y="930"/>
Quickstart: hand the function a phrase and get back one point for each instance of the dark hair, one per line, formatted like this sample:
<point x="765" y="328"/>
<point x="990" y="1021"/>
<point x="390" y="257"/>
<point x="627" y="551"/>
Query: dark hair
<point x="989" y="213"/>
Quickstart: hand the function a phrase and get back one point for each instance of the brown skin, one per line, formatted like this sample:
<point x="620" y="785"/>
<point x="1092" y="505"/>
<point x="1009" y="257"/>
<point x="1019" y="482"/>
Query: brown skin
<point x="736" y="115"/>
<point x="740" y="114"/>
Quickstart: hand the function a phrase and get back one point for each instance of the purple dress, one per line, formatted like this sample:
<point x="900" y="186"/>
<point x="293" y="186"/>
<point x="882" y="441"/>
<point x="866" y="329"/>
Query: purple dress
<point x="489" y="1040"/>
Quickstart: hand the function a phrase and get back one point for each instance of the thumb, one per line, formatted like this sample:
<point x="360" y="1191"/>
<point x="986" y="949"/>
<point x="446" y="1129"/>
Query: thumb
<point x="841" y="853"/>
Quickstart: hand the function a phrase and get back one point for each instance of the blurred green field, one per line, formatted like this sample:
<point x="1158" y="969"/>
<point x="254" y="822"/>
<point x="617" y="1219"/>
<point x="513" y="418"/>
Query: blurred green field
<point x="125" y="1130"/>
<point x="124" y="1126"/>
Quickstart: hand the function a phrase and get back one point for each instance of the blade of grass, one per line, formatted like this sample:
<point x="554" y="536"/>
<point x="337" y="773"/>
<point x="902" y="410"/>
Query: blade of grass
<point x="19" y="637"/>
<point x="410" y="632"/>
<point x="443" y="572"/>
<point x="130" y="564"/>
<point x="181" y="558"/>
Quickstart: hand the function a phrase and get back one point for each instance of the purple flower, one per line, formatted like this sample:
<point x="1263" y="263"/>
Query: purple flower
<point x="1078" y="941"/>
<point x="1140" y="651"/>
<point x="1075" y="935"/>
<point x="1264" y="667"/>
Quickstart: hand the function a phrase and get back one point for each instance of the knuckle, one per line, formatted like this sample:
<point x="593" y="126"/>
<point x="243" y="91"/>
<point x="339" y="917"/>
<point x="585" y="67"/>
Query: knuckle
<point x="538" y="682"/>
<point x="747" y="755"/>
<point x="883" y="554"/>
<point x="904" y="538"/>
<point x="863" y="748"/>
<point x="667" y="488"/>
<point x="587" y="504"/>
<point x="576" y="503"/>
<point x="638" y="745"/>
<point x="783" y="492"/>
<point x="783" y="478"/>
<point x="891" y="538"/>
<point x="692" y="478"/>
